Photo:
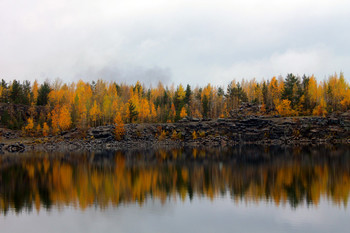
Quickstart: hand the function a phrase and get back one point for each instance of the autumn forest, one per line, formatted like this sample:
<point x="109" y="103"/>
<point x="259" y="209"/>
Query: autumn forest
<point x="55" y="106"/>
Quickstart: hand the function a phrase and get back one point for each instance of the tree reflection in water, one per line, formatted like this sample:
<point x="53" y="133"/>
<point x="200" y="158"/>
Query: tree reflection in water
<point x="278" y="175"/>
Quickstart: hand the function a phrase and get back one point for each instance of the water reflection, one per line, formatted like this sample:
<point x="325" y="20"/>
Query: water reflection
<point x="253" y="174"/>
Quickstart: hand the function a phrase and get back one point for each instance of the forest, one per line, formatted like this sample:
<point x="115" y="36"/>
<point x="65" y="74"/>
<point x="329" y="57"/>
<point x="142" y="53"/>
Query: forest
<point x="88" y="104"/>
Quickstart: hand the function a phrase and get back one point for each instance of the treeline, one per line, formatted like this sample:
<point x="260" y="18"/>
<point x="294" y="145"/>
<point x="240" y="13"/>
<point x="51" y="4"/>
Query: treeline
<point x="85" y="104"/>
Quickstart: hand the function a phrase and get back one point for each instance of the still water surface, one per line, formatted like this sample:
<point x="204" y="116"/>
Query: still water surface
<point x="246" y="189"/>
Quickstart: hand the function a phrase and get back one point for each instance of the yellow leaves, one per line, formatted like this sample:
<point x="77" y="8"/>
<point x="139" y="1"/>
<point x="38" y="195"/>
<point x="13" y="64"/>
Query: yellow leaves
<point x="276" y="88"/>
<point x="273" y="84"/>
<point x="65" y="118"/>
<point x="253" y="90"/>
<point x="95" y="113"/>
<point x="119" y="130"/>
<point x="180" y="93"/>
<point x="46" y="129"/>
<point x="183" y="112"/>
<point x="60" y="119"/>
<point x="197" y="114"/>
<point x="283" y="108"/>
<point x="313" y="90"/>
<point x="99" y="91"/>
<point x="112" y="91"/>
<point x="135" y="101"/>
<point x="345" y="103"/>
<point x="115" y="106"/>
<point x="158" y="91"/>
<point x="138" y="89"/>
<point x="35" y="89"/>
<point x="107" y="107"/>
<point x="153" y="113"/>
<point x="54" y="120"/>
<point x="172" y="112"/>
<point x="144" y="111"/>
<point x="336" y="92"/>
<point x="83" y="98"/>
<point x="62" y="96"/>
<point x="124" y="111"/>
<point x="38" y="130"/>
<point x="320" y="109"/>
<point x="29" y="128"/>
<point x="207" y="91"/>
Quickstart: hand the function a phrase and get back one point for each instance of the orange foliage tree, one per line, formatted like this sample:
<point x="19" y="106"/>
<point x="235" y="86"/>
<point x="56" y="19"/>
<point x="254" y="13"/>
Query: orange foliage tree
<point x="119" y="130"/>
<point x="46" y="129"/>
<point x="29" y="128"/>
<point x="64" y="118"/>
<point x="284" y="109"/>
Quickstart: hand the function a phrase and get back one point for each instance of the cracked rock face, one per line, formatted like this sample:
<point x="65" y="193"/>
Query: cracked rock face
<point x="221" y="132"/>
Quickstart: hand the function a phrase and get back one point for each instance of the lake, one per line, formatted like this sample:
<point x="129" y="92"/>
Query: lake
<point x="239" y="189"/>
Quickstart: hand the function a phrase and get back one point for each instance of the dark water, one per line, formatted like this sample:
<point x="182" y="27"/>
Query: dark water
<point x="243" y="189"/>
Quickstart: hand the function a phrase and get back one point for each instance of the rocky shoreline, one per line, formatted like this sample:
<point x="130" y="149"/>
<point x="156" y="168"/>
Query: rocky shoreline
<point x="194" y="133"/>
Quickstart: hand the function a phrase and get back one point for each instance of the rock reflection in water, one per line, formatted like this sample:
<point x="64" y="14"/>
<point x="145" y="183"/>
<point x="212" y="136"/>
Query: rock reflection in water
<point x="278" y="175"/>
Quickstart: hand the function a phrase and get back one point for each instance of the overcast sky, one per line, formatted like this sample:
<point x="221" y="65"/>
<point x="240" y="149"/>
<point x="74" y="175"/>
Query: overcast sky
<point x="175" y="41"/>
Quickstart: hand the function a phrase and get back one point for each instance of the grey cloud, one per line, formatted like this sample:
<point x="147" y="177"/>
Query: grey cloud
<point x="179" y="41"/>
<point x="130" y="75"/>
